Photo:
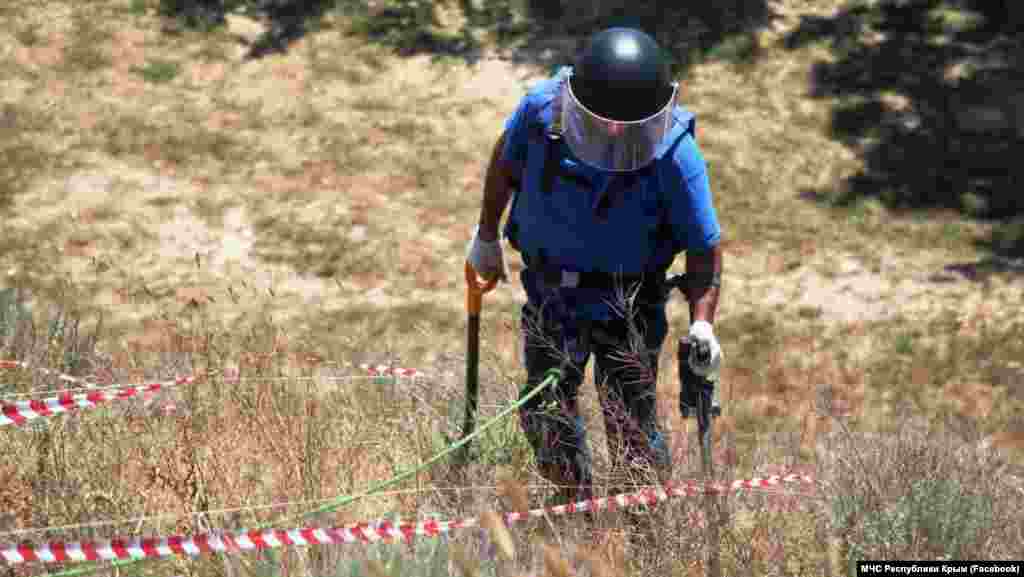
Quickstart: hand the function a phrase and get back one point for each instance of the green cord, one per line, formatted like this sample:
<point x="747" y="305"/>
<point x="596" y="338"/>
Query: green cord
<point x="342" y="501"/>
<point x="553" y="376"/>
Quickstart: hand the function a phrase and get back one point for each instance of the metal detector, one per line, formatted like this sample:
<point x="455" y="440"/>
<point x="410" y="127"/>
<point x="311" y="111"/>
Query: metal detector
<point x="698" y="395"/>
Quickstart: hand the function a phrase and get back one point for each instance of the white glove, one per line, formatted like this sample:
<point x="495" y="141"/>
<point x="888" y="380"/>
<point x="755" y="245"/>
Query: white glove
<point x="486" y="257"/>
<point x="701" y="332"/>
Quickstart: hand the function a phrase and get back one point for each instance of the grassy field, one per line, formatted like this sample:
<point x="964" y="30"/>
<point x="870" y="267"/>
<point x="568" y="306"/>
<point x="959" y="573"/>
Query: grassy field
<point x="171" y="207"/>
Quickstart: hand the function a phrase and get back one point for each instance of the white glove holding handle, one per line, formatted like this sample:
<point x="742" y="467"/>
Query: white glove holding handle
<point x="486" y="258"/>
<point x="702" y="333"/>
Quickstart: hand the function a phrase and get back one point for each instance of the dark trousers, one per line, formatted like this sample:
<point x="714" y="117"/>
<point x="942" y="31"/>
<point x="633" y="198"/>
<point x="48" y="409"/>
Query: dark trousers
<point x="625" y="377"/>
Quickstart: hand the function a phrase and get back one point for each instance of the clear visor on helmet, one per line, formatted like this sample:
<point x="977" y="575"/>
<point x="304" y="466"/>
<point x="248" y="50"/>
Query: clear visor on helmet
<point x="609" y="144"/>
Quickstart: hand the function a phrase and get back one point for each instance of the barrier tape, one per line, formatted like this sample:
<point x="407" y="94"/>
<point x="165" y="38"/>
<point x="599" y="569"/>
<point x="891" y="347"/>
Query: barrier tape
<point x="334" y="504"/>
<point x="21" y="412"/>
<point x="384" y="371"/>
<point x="364" y="533"/>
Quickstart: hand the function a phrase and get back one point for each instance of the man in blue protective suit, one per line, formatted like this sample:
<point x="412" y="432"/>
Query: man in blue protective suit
<point x="608" y="187"/>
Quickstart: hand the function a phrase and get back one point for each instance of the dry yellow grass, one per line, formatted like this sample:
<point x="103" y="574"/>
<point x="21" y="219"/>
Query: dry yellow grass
<point x="297" y="216"/>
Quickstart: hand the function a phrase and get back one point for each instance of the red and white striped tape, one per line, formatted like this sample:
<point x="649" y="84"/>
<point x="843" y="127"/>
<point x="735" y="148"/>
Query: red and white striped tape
<point x="373" y="371"/>
<point x="382" y="371"/>
<point x="207" y="543"/>
<point x="21" y="412"/>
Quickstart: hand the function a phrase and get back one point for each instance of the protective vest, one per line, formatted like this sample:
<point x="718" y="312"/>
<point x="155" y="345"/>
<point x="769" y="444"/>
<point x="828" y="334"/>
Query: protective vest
<point x="568" y="215"/>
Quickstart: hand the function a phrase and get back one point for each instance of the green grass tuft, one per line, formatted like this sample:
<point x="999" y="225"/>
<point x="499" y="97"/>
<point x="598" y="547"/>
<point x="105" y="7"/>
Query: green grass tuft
<point x="159" y="71"/>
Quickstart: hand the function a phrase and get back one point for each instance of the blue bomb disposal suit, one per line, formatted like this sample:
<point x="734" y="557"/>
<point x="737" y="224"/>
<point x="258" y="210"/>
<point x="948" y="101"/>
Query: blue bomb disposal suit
<point x="609" y="187"/>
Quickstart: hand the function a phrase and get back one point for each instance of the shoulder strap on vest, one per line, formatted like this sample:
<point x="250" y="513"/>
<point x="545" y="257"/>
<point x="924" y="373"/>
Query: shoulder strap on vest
<point x="553" y="137"/>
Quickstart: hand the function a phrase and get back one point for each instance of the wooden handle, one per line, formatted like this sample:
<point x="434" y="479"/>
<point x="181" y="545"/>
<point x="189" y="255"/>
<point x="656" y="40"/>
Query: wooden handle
<point x="475" y="290"/>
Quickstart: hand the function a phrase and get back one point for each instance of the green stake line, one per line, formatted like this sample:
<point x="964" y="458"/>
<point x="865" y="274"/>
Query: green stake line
<point x="552" y="376"/>
<point x="342" y="501"/>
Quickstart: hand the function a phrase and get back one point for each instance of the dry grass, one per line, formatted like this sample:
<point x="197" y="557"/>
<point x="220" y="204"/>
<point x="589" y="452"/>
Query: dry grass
<point x="199" y="213"/>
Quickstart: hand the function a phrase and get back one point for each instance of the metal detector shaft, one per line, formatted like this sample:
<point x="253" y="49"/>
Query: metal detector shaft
<point x="698" y="392"/>
<point x="704" y="429"/>
<point x="704" y="421"/>
<point x="704" y="418"/>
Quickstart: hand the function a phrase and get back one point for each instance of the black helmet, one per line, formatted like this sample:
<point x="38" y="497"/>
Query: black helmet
<point x="617" y="106"/>
<point x="621" y="74"/>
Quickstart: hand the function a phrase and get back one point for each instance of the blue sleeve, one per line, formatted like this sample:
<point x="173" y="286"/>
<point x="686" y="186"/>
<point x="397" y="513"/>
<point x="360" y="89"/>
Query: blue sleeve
<point x="692" y="212"/>
<point x="517" y="136"/>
